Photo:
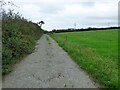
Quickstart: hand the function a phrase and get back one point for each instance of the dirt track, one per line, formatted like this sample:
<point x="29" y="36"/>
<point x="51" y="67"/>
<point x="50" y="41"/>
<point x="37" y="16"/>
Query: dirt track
<point x="49" y="66"/>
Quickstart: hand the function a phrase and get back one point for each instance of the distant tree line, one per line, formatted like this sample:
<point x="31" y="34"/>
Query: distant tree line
<point x="82" y="29"/>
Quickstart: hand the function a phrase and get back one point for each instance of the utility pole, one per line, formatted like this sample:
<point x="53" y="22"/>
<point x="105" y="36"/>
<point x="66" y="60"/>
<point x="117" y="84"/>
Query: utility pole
<point x="108" y="24"/>
<point x="74" y="25"/>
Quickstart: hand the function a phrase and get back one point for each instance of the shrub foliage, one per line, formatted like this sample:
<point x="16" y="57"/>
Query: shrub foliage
<point x="19" y="37"/>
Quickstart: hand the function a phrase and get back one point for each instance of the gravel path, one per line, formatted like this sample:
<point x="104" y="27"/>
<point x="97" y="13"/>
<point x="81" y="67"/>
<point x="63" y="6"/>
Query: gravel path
<point x="49" y="66"/>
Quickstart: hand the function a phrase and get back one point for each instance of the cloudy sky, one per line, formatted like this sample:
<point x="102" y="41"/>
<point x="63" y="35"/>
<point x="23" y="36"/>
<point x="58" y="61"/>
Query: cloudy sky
<point x="58" y="14"/>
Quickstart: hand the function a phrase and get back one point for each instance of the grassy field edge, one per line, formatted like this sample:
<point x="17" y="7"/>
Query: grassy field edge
<point x="105" y="73"/>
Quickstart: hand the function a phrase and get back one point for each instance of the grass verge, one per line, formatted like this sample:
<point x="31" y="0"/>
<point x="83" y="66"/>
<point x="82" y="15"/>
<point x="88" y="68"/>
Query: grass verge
<point x="95" y="52"/>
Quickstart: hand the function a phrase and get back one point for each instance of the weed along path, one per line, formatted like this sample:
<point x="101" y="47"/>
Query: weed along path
<point x="49" y="66"/>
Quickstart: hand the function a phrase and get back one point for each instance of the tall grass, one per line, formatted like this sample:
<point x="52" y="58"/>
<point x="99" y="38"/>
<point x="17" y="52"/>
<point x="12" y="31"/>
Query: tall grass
<point x="95" y="52"/>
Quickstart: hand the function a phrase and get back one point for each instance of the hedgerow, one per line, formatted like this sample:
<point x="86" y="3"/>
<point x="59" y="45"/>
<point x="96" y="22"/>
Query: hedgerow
<point x="19" y="38"/>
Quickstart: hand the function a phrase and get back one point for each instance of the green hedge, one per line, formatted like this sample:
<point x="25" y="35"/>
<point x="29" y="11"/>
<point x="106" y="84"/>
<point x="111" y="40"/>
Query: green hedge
<point x="18" y="39"/>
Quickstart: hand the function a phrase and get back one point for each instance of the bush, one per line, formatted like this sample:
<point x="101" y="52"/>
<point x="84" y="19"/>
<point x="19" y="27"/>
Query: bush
<point x="19" y="37"/>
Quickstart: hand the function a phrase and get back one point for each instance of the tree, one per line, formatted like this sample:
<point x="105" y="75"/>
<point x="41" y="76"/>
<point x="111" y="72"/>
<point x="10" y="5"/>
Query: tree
<point x="41" y="23"/>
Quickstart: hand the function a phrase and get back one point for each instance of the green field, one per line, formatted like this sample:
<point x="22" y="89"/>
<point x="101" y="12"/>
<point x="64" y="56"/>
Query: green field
<point x="95" y="51"/>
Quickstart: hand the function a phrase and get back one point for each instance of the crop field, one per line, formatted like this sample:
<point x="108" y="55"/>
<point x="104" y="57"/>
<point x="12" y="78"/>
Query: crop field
<point x="94" y="51"/>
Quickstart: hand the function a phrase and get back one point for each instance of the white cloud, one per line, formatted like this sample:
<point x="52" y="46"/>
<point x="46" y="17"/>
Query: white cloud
<point x="64" y="13"/>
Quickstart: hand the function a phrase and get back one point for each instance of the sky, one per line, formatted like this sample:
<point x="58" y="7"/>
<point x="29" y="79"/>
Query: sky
<point x="63" y="14"/>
